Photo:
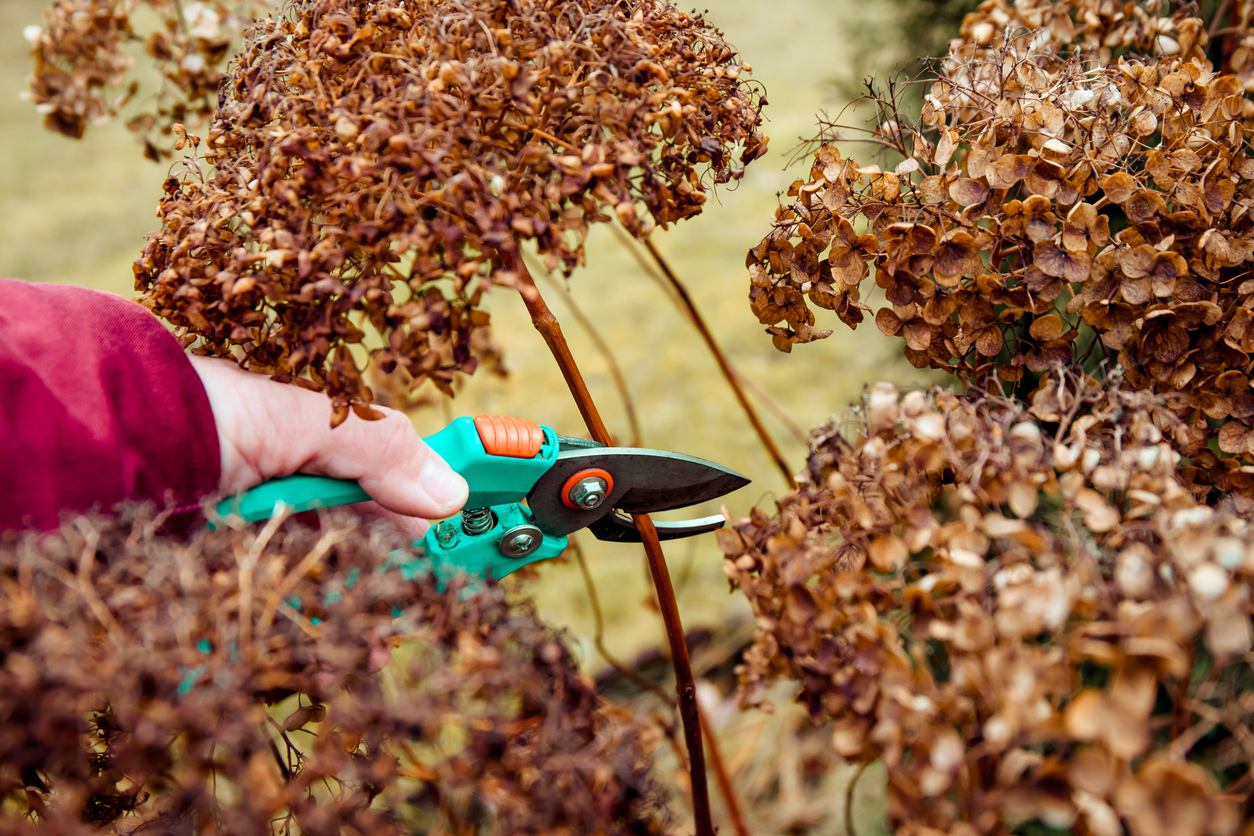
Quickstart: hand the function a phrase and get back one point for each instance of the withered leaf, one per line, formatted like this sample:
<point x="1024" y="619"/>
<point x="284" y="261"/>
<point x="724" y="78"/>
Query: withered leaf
<point x="1237" y="438"/>
<point x="968" y="192"/>
<point x="989" y="341"/>
<point x="1119" y="187"/>
<point x="957" y="256"/>
<point x="887" y="552"/>
<point x="1008" y="170"/>
<point x="1047" y="328"/>
<point x="1054" y="261"/>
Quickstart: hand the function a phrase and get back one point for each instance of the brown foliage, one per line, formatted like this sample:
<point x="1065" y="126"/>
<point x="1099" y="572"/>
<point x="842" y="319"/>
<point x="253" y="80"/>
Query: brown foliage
<point x="1024" y="613"/>
<point x="151" y="684"/>
<point x="1057" y="198"/>
<point x="380" y="165"/>
<point x="82" y="69"/>
<point x="1024" y="608"/>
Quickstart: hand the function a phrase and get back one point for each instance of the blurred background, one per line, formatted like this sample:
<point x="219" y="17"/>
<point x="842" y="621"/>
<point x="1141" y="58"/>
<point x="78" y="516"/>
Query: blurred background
<point x="76" y="212"/>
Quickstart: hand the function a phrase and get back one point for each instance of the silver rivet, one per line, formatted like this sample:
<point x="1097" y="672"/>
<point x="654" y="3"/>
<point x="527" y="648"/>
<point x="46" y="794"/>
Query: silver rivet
<point x="521" y="541"/>
<point x="589" y="493"/>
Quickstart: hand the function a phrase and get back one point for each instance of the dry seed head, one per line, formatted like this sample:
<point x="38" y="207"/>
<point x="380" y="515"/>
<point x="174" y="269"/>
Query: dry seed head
<point x="380" y="166"/>
<point x="137" y="697"/>
<point x="82" y="73"/>
<point x="1053" y="196"/>
<point x="1065" y="604"/>
<point x="941" y="629"/>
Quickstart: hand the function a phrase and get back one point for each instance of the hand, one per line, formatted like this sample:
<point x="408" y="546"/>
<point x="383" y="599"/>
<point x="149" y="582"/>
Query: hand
<point x="268" y="429"/>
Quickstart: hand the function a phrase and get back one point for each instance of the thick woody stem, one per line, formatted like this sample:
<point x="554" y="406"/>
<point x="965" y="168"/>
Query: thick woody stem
<point x="611" y="364"/>
<point x="685" y="684"/>
<point x="716" y="756"/>
<point x="546" y="323"/>
<point x="724" y="366"/>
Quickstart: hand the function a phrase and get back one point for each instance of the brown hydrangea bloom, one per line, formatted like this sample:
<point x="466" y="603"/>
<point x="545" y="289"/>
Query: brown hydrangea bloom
<point x="1024" y="613"/>
<point x="377" y="166"/>
<point x="1056" y="204"/>
<point x="82" y="70"/>
<point x="230" y="683"/>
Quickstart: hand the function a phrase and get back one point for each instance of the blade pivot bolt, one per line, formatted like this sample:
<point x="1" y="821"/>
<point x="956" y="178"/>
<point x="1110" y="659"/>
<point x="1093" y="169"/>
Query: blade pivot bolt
<point x="521" y="540"/>
<point x="587" y="489"/>
<point x="478" y="521"/>
<point x="589" y="493"/>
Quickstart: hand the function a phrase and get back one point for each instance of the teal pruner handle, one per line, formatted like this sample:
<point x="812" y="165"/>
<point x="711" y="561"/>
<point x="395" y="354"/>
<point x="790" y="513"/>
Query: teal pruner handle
<point x="493" y="454"/>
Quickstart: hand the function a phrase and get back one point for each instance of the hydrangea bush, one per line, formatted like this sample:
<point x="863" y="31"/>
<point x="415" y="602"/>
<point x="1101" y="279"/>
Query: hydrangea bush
<point x="1030" y="598"/>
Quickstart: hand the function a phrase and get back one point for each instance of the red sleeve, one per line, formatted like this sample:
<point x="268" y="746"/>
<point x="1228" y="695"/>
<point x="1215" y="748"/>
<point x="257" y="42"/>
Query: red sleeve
<point x="98" y="403"/>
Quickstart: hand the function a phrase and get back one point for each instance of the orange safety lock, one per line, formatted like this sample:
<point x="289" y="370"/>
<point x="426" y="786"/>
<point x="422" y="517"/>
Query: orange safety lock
<point x="503" y="435"/>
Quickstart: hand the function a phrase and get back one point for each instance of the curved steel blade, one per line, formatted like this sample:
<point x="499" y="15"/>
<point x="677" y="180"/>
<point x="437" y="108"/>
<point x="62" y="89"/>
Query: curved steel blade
<point x="644" y="481"/>
<point x="617" y="527"/>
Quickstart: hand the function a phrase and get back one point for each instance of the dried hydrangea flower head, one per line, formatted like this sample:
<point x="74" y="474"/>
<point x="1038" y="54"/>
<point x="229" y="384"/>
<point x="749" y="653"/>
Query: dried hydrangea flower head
<point x="232" y="681"/>
<point x="379" y="165"/>
<point x="1023" y="612"/>
<point x="1055" y="205"/>
<point x="1028" y="610"/>
<point x="83" y="74"/>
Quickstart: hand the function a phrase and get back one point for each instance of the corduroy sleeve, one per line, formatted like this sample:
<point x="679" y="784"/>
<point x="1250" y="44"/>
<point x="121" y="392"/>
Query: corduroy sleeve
<point x="98" y="404"/>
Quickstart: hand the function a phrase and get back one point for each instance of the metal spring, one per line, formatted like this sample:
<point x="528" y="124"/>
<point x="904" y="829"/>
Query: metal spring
<point x="478" y="520"/>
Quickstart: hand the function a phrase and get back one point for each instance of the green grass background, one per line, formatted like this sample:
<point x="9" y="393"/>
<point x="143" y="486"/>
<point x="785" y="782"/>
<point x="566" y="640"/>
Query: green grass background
<point x="76" y="212"/>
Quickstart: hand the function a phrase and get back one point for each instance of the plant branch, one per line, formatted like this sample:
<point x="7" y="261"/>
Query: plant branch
<point x="598" y="641"/>
<point x="685" y="685"/>
<point x="1216" y="19"/>
<point x="775" y="409"/>
<point x="720" y="774"/>
<point x="725" y="367"/>
<point x="551" y="331"/>
<point x="598" y="637"/>
<point x="616" y="372"/>
<point x="853" y="783"/>
<point x="651" y="271"/>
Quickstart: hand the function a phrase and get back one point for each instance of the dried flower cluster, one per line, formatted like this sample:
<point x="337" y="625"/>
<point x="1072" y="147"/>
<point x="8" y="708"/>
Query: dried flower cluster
<point x="379" y="165"/>
<point x="1025" y="613"/>
<point x="228" y="684"/>
<point x="82" y="70"/>
<point x="1054" y="205"/>
<point x="1028" y="610"/>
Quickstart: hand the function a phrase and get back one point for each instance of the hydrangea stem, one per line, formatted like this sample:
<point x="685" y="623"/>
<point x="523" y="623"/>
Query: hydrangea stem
<point x="685" y="685"/>
<point x="724" y="366"/>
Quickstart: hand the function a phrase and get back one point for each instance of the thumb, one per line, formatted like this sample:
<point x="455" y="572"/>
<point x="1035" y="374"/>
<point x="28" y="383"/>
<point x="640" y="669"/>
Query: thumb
<point x="268" y="429"/>
<point x="390" y="462"/>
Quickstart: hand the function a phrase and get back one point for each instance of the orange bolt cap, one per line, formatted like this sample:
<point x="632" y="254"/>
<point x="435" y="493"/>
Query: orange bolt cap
<point x="590" y="473"/>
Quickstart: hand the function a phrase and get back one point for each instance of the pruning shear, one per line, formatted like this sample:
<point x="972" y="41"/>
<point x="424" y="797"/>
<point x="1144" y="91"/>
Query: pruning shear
<point x="566" y="484"/>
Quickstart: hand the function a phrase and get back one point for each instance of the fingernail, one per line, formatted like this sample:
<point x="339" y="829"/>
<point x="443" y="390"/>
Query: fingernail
<point x="442" y="483"/>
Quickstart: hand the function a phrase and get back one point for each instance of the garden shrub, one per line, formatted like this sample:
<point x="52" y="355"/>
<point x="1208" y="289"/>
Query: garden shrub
<point x="1055" y="205"/>
<point x="1023" y="611"/>
<point x="381" y="165"/>
<point x="230" y="681"/>
<point x="1031" y="597"/>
